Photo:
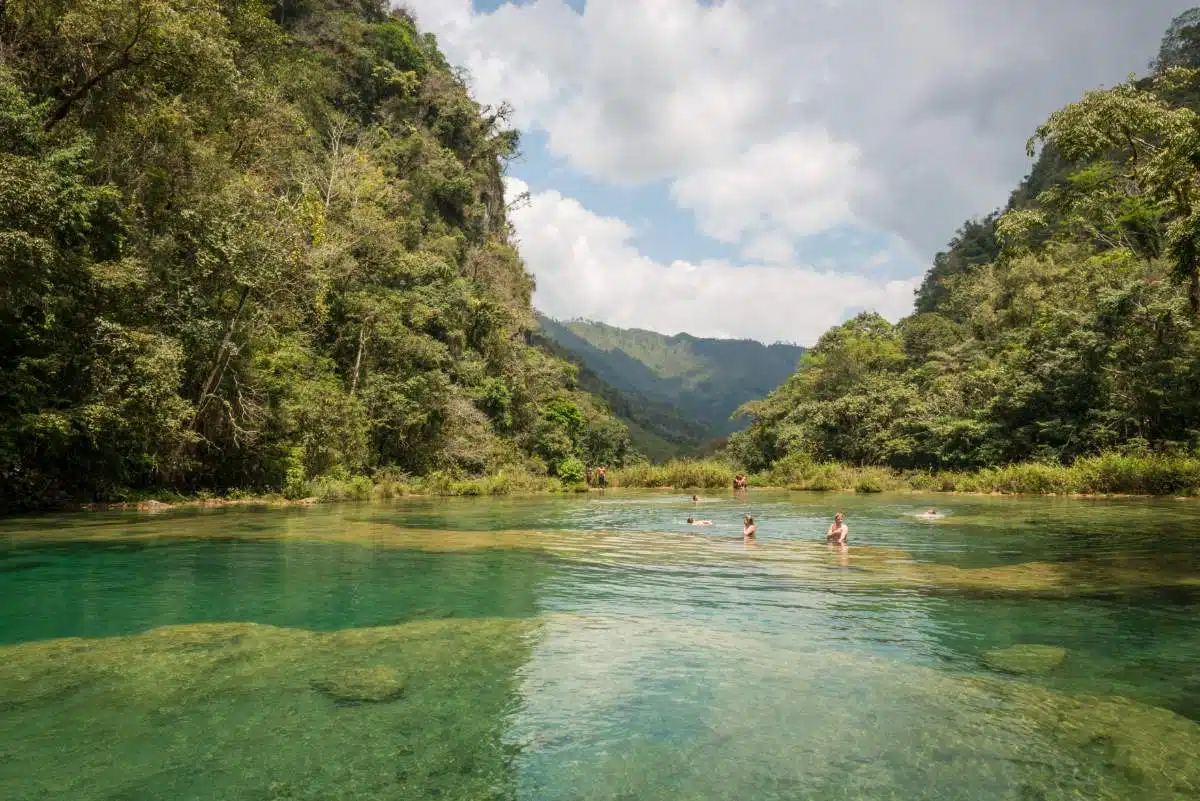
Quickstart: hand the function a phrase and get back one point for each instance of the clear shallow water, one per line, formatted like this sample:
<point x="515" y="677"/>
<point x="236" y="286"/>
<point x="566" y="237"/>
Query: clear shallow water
<point x="600" y="648"/>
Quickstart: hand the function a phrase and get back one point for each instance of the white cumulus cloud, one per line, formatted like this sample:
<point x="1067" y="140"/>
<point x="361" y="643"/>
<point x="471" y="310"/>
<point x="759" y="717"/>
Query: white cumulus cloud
<point x="797" y="184"/>
<point x="923" y="106"/>
<point x="769" y="121"/>
<point x="587" y="266"/>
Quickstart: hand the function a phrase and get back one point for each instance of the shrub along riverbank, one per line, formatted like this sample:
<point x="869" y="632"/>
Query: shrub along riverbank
<point x="1108" y="474"/>
<point x="334" y="489"/>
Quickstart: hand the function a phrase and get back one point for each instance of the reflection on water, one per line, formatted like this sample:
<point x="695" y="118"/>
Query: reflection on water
<point x="601" y="648"/>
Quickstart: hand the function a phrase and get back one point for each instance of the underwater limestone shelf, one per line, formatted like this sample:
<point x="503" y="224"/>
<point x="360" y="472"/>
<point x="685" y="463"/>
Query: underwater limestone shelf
<point x="1112" y="575"/>
<point x="258" y="712"/>
<point x="810" y="562"/>
<point x="243" y="710"/>
<point x="839" y="725"/>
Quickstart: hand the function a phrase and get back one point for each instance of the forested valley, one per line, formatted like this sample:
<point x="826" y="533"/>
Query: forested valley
<point x="1064" y="326"/>
<point x="252" y="245"/>
<point x="676" y="393"/>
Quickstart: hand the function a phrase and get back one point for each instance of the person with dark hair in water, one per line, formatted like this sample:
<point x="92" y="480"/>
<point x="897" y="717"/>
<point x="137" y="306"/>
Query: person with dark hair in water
<point x="602" y="476"/>
<point x="694" y="522"/>
<point x="740" y="482"/>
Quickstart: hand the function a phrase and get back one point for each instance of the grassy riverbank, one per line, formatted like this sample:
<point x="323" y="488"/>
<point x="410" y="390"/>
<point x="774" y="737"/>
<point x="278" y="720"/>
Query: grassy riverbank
<point x="1108" y="474"/>
<point x="382" y="486"/>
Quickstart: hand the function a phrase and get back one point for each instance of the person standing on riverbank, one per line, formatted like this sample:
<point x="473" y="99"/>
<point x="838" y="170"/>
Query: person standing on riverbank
<point x="838" y="531"/>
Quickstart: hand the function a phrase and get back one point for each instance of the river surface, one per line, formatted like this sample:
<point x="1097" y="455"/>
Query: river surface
<point x="597" y="647"/>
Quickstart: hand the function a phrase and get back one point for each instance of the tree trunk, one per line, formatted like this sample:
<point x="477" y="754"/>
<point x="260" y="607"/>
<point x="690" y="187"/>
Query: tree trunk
<point x="1194" y="292"/>
<point x="219" y="363"/>
<point x="362" y="344"/>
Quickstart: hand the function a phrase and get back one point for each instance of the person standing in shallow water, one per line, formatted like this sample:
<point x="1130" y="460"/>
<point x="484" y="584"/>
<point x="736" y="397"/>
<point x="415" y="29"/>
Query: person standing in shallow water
<point x="749" y="530"/>
<point x="838" y="531"/>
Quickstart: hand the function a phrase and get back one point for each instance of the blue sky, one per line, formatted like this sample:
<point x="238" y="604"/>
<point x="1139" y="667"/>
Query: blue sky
<point x="764" y="168"/>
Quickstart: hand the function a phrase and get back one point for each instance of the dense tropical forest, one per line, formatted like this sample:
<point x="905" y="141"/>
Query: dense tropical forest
<point x="262" y="246"/>
<point x="256" y="244"/>
<point x="679" y="391"/>
<point x="1063" y="326"/>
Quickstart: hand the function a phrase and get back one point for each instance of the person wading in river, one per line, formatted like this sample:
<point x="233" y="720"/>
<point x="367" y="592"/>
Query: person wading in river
<point x="838" y="531"/>
<point x="749" y="530"/>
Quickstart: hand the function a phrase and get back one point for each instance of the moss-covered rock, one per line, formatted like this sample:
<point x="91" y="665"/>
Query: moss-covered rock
<point x="1025" y="659"/>
<point x="375" y="684"/>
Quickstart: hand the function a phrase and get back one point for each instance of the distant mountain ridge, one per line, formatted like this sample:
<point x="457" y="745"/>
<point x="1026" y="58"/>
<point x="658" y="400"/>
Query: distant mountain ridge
<point x="683" y="387"/>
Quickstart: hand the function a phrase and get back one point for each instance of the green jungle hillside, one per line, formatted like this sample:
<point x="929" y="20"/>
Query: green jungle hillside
<point x="1064" y="325"/>
<point x="249" y="244"/>
<point x="681" y="388"/>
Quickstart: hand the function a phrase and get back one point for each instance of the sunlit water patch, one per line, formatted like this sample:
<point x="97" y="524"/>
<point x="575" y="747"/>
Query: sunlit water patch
<point x="600" y="648"/>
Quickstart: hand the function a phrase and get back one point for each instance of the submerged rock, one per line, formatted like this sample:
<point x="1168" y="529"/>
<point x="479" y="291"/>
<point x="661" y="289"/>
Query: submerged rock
<point x="1025" y="658"/>
<point x="377" y="684"/>
<point x="228" y="710"/>
<point x="1115" y="574"/>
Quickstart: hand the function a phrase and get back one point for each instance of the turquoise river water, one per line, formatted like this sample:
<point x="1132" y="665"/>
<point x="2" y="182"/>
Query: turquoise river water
<point x="597" y="647"/>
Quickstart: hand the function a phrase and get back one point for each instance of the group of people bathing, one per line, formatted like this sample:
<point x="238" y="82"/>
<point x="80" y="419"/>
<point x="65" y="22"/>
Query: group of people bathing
<point x="597" y="476"/>
<point x="836" y="535"/>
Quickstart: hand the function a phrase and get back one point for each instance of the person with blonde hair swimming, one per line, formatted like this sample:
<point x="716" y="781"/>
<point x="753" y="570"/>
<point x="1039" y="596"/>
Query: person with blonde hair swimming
<point x="838" y="531"/>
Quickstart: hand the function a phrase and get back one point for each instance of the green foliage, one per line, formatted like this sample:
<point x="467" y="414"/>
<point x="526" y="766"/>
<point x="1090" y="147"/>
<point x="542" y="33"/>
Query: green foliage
<point x="680" y="474"/>
<point x="1181" y="43"/>
<point x="259" y="246"/>
<point x="295" y="477"/>
<point x="571" y="470"/>
<point x="1063" y="328"/>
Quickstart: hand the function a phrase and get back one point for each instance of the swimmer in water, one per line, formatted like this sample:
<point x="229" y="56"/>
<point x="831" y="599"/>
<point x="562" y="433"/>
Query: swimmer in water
<point x="749" y="530"/>
<point x="695" y="499"/>
<point x="694" y="522"/>
<point x="838" y="531"/>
